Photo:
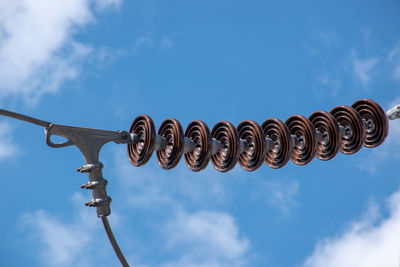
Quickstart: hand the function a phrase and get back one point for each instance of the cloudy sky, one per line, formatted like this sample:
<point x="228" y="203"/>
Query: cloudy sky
<point x="101" y="63"/>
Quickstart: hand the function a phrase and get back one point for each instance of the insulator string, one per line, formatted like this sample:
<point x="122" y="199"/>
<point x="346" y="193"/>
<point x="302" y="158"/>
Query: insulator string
<point x="323" y="134"/>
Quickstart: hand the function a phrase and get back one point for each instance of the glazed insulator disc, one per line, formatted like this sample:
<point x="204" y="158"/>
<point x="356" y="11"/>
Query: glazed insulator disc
<point x="140" y="152"/>
<point x="170" y="155"/>
<point x="327" y="125"/>
<point x="301" y="127"/>
<point x="349" y="118"/>
<point x="377" y="124"/>
<point x="198" y="132"/>
<point x="277" y="131"/>
<point x="226" y="158"/>
<point x="252" y="158"/>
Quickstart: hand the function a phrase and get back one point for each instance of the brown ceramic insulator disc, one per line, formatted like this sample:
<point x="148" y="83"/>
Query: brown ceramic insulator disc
<point x="198" y="132"/>
<point x="169" y="156"/>
<point x="277" y="131"/>
<point x="375" y="119"/>
<point x="302" y="128"/>
<point x="354" y="135"/>
<point x="252" y="158"/>
<point x="327" y="125"/>
<point x="226" y="158"/>
<point x="139" y="153"/>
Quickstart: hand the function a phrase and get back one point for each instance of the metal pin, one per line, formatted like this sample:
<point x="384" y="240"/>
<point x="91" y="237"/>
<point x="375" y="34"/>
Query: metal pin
<point x="134" y="138"/>
<point x="345" y="132"/>
<point x="161" y="143"/>
<point x="298" y="141"/>
<point x="243" y="146"/>
<point x="319" y="137"/>
<point x="188" y="146"/>
<point x="369" y="125"/>
<point x="216" y="146"/>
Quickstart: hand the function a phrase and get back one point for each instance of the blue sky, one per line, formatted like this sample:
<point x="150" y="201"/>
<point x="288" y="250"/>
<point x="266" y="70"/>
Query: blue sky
<point x="101" y="63"/>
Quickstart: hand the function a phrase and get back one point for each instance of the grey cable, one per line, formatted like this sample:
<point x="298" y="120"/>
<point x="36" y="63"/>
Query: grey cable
<point x="114" y="242"/>
<point x="24" y="118"/>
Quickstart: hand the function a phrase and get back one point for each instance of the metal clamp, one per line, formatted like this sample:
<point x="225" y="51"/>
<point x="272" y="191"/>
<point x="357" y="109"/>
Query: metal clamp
<point x="89" y="142"/>
<point x="393" y="113"/>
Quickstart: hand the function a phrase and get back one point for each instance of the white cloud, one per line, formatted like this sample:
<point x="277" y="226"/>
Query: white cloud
<point x="199" y="237"/>
<point x="155" y="43"/>
<point x="63" y="242"/>
<point x="7" y="146"/>
<point x="369" y="242"/>
<point x="394" y="52"/>
<point x="143" y="41"/>
<point x="394" y="58"/>
<point x="104" y="4"/>
<point x="362" y="69"/>
<point x="281" y="195"/>
<point x="37" y="49"/>
<point x="206" y="238"/>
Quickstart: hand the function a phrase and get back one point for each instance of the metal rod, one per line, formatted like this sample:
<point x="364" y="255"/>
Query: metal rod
<point x="113" y="242"/>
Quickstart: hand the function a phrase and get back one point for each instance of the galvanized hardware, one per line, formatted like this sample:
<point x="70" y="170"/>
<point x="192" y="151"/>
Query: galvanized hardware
<point x="393" y="113"/>
<point x="92" y="185"/>
<point x="160" y="143"/>
<point x="271" y="145"/>
<point x="188" y="146"/>
<point x="216" y="146"/>
<point x="243" y="145"/>
<point x="98" y="202"/>
<point x="90" y="167"/>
